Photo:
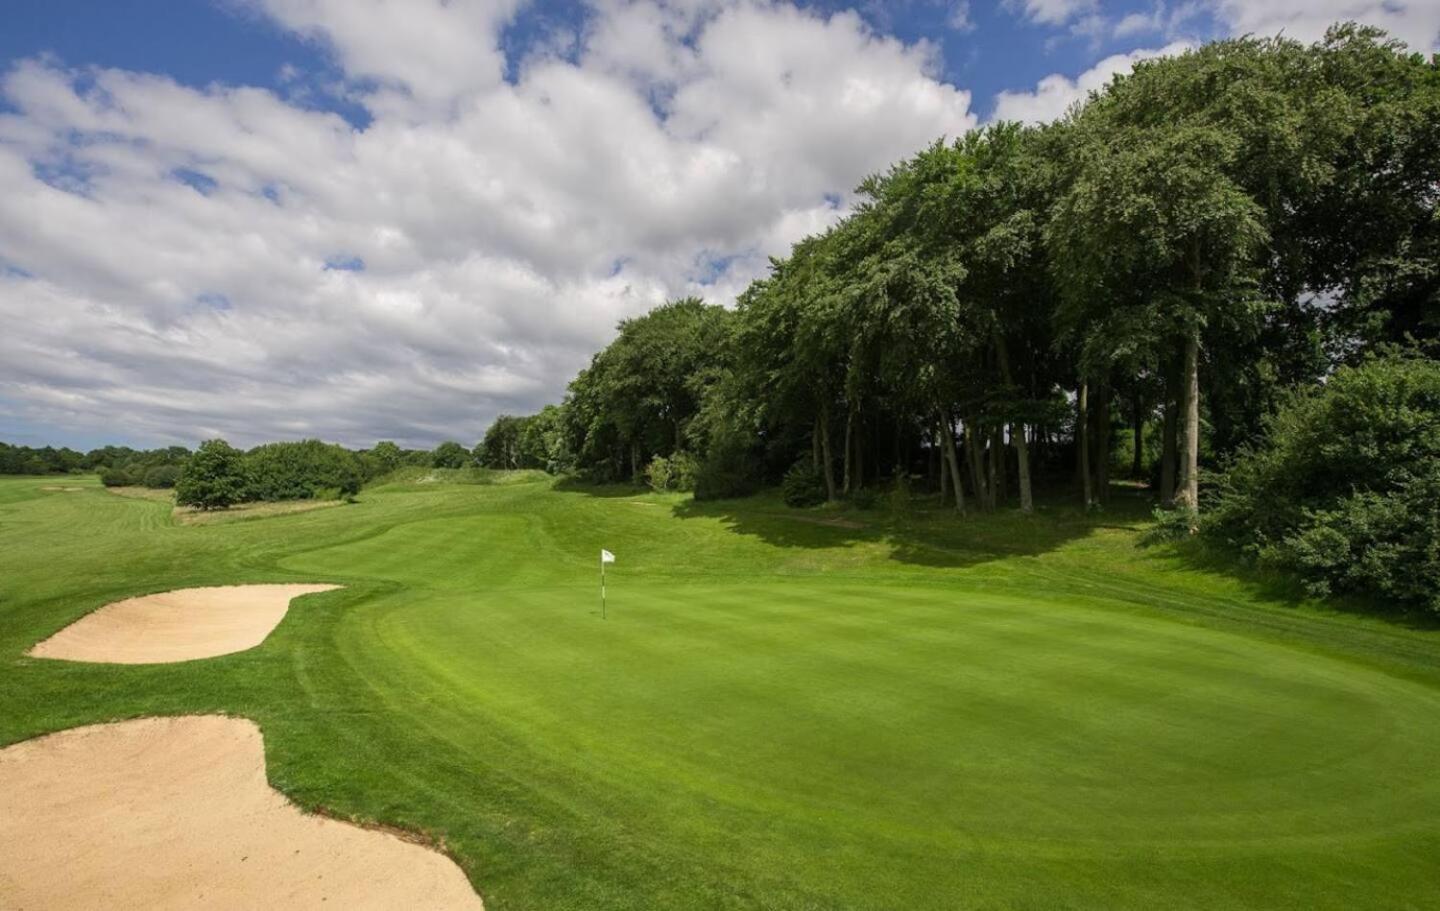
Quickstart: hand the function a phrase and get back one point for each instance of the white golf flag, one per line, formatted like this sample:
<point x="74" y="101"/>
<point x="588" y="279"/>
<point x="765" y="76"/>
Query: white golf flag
<point x="606" y="556"/>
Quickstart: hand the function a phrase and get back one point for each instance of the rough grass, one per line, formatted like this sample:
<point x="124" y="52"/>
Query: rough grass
<point x="240" y="512"/>
<point x="782" y="710"/>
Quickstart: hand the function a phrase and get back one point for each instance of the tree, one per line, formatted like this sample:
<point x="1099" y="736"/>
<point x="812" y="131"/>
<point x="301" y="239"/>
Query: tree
<point x="1154" y="242"/>
<point x="213" y="478"/>
<point x="450" y="455"/>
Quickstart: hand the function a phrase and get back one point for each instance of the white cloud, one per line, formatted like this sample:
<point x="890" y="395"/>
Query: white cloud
<point x="958" y="18"/>
<point x="1052" y="12"/>
<point x="174" y="241"/>
<point x="1417" y="22"/>
<point x="1054" y="94"/>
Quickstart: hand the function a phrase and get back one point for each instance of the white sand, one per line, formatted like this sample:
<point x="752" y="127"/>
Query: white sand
<point x="176" y="626"/>
<point x="163" y="813"/>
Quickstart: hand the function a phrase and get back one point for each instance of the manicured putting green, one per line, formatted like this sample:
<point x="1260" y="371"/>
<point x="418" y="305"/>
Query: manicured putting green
<point x="780" y="711"/>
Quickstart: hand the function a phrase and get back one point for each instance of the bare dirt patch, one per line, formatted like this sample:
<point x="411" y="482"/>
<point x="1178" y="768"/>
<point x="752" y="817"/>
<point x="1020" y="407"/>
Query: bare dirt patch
<point x="176" y="626"/>
<point x="167" y="813"/>
<point x="65" y="487"/>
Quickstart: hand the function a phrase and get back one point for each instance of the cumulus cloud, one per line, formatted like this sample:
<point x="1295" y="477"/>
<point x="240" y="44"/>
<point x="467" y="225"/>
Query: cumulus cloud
<point x="179" y="262"/>
<point x="1416" y="22"/>
<point x="1054" y="94"/>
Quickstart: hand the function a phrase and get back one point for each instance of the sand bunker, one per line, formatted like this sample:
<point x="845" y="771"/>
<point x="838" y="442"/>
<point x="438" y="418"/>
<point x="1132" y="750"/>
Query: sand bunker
<point x="176" y="626"/>
<point x="176" y="813"/>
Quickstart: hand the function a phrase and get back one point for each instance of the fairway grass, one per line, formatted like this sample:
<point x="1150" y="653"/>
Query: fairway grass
<point x="783" y="709"/>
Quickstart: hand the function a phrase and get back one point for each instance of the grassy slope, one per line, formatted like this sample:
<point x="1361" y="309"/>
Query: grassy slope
<point x="780" y="712"/>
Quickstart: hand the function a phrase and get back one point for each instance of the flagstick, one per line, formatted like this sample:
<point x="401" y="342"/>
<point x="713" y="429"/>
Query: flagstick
<point x="602" y="587"/>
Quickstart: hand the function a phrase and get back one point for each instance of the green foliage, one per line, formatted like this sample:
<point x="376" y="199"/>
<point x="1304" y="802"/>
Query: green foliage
<point x="1169" y="525"/>
<point x="214" y="478"/>
<point x="300" y="471"/>
<point x="802" y="486"/>
<point x="450" y="455"/>
<point x="676" y="472"/>
<point x="727" y="471"/>
<point x="642" y="393"/>
<point x="160" y="477"/>
<point x="864" y="498"/>
<point x="115" y="477"/>
<point x="1345" y="489"/>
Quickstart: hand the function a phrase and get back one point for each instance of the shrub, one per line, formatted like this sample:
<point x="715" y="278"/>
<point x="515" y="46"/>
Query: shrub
<point x="161" y="477"/>
<point x="864" y="498"/>
<point x="115" y="477"/>
<point x="657" y="473"/>
<point x="802" y="486"/>
<point x="674" y="473"/>
<point x="1345" y="491"/>
<point x="1170" y="525"/>
<point x="728" y="471"/>
<point x="214" y="478"/>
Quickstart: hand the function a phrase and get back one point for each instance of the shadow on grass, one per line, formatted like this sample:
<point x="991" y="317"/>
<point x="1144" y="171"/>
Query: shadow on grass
<point x="925" y="532"/>
<point x="615" y="490"/>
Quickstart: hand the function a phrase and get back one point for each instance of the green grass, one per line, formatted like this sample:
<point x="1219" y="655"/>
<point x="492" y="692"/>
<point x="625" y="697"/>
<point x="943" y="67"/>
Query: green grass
<point x="782" y="710"/>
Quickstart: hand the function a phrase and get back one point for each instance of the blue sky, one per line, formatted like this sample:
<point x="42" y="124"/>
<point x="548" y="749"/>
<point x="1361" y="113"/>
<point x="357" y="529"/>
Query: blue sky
<point x="199" y="42"/>
<point x="375" y="219"/>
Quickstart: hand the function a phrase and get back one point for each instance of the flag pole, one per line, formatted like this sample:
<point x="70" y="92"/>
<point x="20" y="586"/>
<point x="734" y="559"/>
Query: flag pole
<point x="602" y="586"/>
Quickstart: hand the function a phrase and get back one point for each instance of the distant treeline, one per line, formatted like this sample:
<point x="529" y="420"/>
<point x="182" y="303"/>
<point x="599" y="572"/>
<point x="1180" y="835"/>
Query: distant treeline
<point x="118" y="465"/>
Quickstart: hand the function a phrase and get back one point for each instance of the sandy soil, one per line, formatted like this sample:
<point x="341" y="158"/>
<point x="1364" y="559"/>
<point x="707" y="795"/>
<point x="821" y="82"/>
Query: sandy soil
<point x="176" y="626"/>
<point x="164" y="813"/>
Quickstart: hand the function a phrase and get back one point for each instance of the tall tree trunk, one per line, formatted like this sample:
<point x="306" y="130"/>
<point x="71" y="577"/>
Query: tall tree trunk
<point x="849" y="448"/>
<point x="947" y="442"/>
<point x="1189" y="493"/>
<point x="1137" y="458"/>
<point x="1100" y="440"/>
<point x="825" y="452"/>
<point x="1082" y="422"/>
<point x="815" y="445"/>
<point x="999" y="491"/>
<point x="1017" y="431"/>
<point x="974" y="457"/>
<point x="634" y="461"/>
<point x="859" y="452"/>
<point x="939" y="458"/>
<point x="1168" y="448"/>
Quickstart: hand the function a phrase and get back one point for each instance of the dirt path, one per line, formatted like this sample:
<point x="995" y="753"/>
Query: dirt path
<point x="176" y="626"/>
<point x="163" y="813"/>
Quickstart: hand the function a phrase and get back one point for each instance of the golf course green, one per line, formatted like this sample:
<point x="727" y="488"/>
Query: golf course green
<point x="797" y="709"/>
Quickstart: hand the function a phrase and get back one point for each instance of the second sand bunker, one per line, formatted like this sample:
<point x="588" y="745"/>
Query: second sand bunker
<point x="178" y="625"/>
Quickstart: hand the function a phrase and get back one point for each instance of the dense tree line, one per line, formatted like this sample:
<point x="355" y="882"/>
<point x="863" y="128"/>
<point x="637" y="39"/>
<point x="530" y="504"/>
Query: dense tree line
<point x="219" y="475"/>
<point x="1156" y="275"/>
<point x="117" y="465"/>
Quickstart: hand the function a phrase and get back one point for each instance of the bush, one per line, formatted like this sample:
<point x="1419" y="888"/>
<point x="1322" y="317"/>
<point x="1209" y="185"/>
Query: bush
<point x="1170" y="525"/>
<point x="115" y="477"/>
<point x="1346" y="489"/>
<point x="864" y="498"/>
<point x="675" y="473"/>
<point x="728" y="471"/>
<point x="214" y="478"/>
<point x="657" y="473"/>
<point x="161" y="477"/>
<point x="802" y="486"/>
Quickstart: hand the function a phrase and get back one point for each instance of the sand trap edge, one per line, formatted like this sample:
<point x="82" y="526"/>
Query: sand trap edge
<point x="387" y="862"/>
<point x="182" y="624"/>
